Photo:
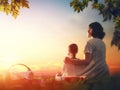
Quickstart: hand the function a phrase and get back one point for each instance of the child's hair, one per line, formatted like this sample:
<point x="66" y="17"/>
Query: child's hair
<point x="73" y="48"/>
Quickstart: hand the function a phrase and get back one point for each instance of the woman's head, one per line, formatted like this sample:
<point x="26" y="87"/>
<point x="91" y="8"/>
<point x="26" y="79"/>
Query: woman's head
<point x="96" y="30"/>
<point x="73" y="48"/>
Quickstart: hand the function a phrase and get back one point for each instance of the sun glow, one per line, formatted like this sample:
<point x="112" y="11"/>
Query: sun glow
<point x="7" y="61"/>
<point x="40" y="38"/>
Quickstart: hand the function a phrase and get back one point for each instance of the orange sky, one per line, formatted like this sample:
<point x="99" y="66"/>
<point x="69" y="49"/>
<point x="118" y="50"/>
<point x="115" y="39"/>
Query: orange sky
<point x="39" y="37"/>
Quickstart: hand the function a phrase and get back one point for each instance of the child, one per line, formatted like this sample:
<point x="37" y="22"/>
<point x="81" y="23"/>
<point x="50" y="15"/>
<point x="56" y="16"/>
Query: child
<point x="69" y="69"/>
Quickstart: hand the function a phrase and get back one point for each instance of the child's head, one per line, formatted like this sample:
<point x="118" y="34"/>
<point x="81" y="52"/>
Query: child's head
<point x="73" y="49"/>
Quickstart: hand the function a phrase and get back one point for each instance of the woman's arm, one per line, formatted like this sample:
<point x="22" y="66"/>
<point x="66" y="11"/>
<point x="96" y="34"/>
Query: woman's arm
<point x="63" y="68"/>
<point x="85" y="61"/>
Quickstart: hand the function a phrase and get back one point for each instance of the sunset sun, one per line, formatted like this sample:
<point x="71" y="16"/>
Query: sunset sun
<point x="7" y="62"/>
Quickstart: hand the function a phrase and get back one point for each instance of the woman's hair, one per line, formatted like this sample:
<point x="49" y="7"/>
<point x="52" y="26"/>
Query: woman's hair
<point x="97" y="30"/>
<point x="73" y="48"/>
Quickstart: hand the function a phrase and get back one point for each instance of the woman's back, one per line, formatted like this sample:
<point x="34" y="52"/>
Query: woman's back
<point x="98" y="54"/>
<point x="97" y="49"/>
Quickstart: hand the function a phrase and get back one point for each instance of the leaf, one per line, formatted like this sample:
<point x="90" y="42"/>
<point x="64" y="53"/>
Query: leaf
<point x="25" y="3"/>
<point x="95" y="1"/>
<point x="15" y="14"/>
<point x="71" y="4"/>
<point x="109" y="9"/>
<point x="2" y="8"/>
<point x="116" y="38"/>
<point x="13" y="7"/>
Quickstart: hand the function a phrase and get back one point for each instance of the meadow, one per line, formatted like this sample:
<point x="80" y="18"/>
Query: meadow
<point x="49" y="83"/>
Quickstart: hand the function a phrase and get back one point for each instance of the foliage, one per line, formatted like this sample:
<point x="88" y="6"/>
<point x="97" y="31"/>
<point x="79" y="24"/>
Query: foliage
<point x="13" y="6"/>
<point x="109" y="9"/>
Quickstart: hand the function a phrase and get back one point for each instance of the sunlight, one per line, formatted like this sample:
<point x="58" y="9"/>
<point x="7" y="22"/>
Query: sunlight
<point x="42" y="42"/>
<point x="7" y="61"/>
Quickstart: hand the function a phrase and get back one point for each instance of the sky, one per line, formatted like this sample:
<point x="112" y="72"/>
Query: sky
<point x="39" y="36"/>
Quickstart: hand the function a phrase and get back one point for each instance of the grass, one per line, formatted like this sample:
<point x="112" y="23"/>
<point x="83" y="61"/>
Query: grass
<point x="49" y="83"/>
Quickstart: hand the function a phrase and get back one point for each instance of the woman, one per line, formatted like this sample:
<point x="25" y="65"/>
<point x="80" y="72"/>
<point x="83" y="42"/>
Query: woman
<point x="95" y="55"/>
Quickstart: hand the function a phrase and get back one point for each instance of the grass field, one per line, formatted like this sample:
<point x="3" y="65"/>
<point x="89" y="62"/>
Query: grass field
<point x="49" y="83"/>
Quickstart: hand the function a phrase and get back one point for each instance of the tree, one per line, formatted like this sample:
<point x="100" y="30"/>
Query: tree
<point x="13" y="6"/>
<point x="109" y="9"/>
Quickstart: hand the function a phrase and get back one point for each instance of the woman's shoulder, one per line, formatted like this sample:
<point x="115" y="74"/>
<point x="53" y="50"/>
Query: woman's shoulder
<point x="92" y="39"/>
<point x="96" y="43"/>
<point x="95" y="40"/>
